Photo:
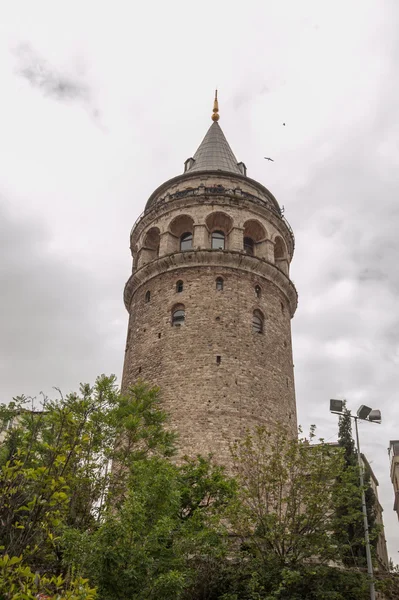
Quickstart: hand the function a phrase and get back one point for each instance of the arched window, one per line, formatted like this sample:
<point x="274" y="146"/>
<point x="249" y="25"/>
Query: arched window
<point x="151" y="244"/>
<point x="219" y="284"/>
<point x="186" y="242"/>
<point x="147" y="296"/>
<point x="178" y="315"/>
<point x="218" y="240"/>
<point x="258" y="291"/>
<point x="179" y="286"/>
<point x="279" y="249"/>
<point x="249" y="246"/>
<point x="257" y="322"/>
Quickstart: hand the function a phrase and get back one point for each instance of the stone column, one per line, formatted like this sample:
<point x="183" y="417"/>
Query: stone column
<point x="236" y="239"/>
<point x="168" y="243"/>
<point x="201" y="237"/>
<point x="269" y="251"/>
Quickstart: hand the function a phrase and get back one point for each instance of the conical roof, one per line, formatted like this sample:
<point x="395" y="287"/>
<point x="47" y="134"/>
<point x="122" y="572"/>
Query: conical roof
<point x="214" y="153"/>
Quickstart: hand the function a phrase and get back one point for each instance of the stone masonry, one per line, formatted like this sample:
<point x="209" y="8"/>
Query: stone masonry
<point x="218" y="375"/>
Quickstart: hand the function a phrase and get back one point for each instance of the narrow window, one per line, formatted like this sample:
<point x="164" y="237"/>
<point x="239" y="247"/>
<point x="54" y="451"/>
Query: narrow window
<point x="218" y="360"/>
<point x="178" y="316"/>
<point x="218" y="240"/>
<point x="147" y="296"/>
<point x="257" y="322"/>
<point x="186" y="242"/>
<point x="258" y="291"/>
<point x="179" y="286"/>
<point x="249" y="246"/>
<point x="219" y="284"/>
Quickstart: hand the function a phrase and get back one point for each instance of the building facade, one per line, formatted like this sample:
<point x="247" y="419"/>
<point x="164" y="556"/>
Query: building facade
<point x="381" y="547"/>
<point x="394" y="457"/>
<point x="210" y="301"/>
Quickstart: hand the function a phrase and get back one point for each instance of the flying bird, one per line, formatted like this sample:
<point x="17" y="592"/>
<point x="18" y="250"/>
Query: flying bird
<point x="267" y="158"/>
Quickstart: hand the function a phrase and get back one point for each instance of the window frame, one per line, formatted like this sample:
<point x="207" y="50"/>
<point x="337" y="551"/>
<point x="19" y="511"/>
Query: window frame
<point x="179" y="286"/>
<point x="251" y="245"/>
<point x="178" y="320"/>
<point x="219" y="284"/>
<point x="258" y="322"/>
<point x="184" y="238"/>
<point x="218" y="235"/>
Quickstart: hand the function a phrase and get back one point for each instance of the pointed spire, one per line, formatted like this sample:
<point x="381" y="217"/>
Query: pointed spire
<point x="214" y="152"/>
<point x="215" y="116"/>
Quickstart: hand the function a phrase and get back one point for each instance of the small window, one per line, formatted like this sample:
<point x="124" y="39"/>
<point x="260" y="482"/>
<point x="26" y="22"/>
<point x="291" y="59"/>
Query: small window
<point x="148" y="296"/>
<point x="249" y="246"/>
<point x="218" y="240"/>
<point x="179" y="286"/>
<point x="219" y="284"/>
<point x="186" y="242"/>
<point x="178" y="316"/>
<point x="258" y="291"/>
<point x="257" y="322"/>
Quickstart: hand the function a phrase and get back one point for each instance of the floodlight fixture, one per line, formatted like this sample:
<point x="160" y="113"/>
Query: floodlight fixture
<point x="375" y="416"/>
<point x="337" y="406"/>
<point x="364" y="412"/>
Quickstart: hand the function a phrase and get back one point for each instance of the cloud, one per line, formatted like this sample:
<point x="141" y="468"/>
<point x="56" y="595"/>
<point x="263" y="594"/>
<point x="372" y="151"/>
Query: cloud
<point x="48" y="79"/>
<point x="56" y="330"/>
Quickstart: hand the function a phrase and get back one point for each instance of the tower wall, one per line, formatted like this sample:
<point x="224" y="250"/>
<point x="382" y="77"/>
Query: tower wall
<point x="217" y="376"/>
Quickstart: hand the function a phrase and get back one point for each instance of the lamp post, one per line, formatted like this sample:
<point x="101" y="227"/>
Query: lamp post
<point x="373" y="416"/>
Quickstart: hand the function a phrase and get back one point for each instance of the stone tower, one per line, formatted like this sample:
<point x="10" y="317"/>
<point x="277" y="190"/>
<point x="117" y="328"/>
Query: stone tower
<point x="210" y="301"/>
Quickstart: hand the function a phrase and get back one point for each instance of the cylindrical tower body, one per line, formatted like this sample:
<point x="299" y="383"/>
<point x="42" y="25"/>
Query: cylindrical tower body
<point x="210" y="304"/>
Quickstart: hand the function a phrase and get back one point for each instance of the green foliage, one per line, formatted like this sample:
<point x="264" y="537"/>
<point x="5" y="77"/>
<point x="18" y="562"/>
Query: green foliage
<point x="286" y="499"/>
<point x="151" y="528"/>
<point x="348" y="523"/>
<point x="285" y="518"/>
<point x="145" y="549"/>
<point x="133" y="529"/>
<point x="18" y="582"/>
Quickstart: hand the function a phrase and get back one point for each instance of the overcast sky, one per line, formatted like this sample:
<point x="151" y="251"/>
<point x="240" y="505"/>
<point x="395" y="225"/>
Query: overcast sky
<point x="102" y="102"/>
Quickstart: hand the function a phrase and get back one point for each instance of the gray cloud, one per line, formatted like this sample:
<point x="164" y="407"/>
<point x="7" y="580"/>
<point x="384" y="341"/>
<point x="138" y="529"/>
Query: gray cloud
<point x="55" y="328"/>
<point x="48" y="79"/>
<point x="335" y="171"/>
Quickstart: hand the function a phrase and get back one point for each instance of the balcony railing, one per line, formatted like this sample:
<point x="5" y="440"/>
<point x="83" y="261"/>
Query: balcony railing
<point x="218" y="190"/>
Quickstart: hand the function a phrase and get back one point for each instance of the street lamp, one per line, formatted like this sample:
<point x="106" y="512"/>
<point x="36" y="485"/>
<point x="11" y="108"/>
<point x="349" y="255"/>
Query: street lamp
<point x="365" y="413"/>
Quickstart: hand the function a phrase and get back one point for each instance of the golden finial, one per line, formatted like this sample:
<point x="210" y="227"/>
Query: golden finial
<point x="215" y="116"/>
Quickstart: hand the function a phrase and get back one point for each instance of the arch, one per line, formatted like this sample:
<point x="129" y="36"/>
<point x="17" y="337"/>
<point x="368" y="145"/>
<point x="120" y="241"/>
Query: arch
<point x="254" y="230"/>
<point x="257" y="321"/>
<point x="218" y="240"/>
<point x="219" y="221"/>
<point x="181" y="224"/>
<point x="179" y="286"/>
<point x="219" y="284"/>
<point x="254" y="234"/>
<point x="280" y="250"/>
<point x="151" y="240"/>
<point x="178" y="315"/>
<point x="135" y="251"/>
<point x="150" y="248"/>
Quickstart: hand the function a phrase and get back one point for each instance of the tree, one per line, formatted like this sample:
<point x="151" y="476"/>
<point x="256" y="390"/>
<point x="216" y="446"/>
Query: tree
<point x="133" y="529"/>
<point x="150" y="547"/>
<point x="285" y="518"/>
<point x="349" y="526"/>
